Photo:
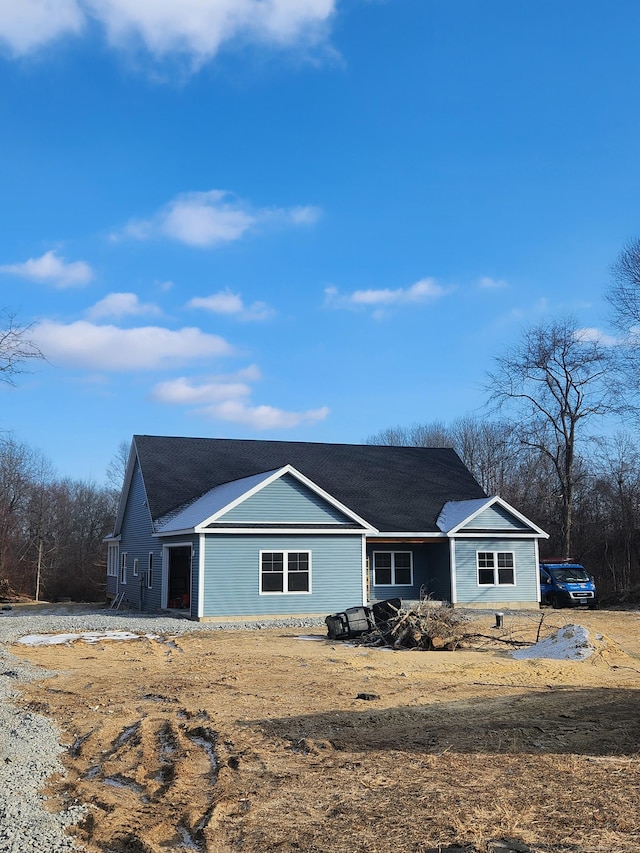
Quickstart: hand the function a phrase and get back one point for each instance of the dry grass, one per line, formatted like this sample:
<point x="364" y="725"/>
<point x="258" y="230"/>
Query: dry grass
<point x="239" y="741"/>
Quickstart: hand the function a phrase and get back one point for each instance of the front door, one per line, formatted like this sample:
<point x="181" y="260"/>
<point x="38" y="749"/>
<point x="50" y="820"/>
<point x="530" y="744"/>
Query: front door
<point x="179" y="580"/>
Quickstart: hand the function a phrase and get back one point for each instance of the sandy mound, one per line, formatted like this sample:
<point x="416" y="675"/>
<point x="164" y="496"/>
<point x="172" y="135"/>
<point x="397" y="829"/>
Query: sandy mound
<point x="572" y="642"/>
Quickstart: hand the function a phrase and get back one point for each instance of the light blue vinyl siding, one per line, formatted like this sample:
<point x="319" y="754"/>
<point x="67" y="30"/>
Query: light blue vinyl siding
<point x="431" y="576"/>
<point x="232" y="575"/>
<point x="285" y="500"/>
<point x="496" y="518"/>
<point x="136" y="541"/>
<point x="526" y="571"/>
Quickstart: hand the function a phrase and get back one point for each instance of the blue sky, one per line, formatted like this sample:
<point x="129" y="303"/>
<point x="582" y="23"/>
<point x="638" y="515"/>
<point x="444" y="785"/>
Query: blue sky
<point x="300" y="219"/>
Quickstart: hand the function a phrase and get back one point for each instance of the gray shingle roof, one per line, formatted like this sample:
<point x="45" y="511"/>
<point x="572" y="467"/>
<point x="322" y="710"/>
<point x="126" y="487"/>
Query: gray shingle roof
<point x="397" y="489"/>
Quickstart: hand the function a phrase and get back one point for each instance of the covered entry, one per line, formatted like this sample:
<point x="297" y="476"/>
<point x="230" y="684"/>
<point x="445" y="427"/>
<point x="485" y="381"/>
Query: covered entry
<point x="178" y="587"/>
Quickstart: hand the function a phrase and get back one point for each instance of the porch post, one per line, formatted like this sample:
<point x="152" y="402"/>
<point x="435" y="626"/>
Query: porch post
<point x="452" y="571"/>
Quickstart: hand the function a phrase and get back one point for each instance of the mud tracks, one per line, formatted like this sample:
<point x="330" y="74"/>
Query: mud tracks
<point x="161" y="771"/>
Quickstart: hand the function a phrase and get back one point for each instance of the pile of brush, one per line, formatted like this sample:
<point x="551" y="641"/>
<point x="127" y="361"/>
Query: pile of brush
<point x="425" y="627"/>
<point x="7" y="593"/>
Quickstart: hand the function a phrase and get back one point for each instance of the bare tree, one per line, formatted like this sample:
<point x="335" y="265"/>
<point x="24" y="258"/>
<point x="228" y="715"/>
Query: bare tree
<point x="610" y="514"/>
<point x="434" y="434"/>
<point x="624" y="293"/>
<point x="490" y="451"/>
<point x="624" y="297"/>
<point x="16" y="347"/>
<point x="555" y="382"/>
<point x="117" y="467"/>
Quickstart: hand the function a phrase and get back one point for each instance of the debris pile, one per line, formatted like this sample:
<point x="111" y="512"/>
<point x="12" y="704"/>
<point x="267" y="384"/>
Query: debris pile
<point x="426" y="626"/>
<point x="7" y="593"/>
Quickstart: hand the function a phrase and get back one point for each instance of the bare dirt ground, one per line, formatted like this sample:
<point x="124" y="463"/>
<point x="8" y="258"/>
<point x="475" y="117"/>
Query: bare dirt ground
<point x="256" y="741"/>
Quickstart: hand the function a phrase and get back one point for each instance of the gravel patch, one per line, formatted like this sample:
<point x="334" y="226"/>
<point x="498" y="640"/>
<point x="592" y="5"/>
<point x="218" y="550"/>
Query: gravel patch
<point x="30" y="743"/>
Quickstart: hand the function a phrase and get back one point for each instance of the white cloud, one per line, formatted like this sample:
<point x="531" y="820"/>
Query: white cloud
<point x="226" y="302"/>
<point x="263" y="417"/>
<point x="301" y="215"/>
<point x="26" y="25"/>
<point x="183" y="392"/>
<point x="95" y="347"/>
<point x="192" y="28"/>
<point x="205" y="219"/>
<point x="51" y="269"/>
<point x="488" y="283"/>
<point x="425" y="290"/>
<point x="591" y="334"/>
<point x="208" y="219"/>
<point x="119" y="305"/>
<point x="226" y="398"/>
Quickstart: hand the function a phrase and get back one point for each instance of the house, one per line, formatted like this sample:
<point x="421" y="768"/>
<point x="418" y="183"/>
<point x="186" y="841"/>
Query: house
<point x="226" y="528"/>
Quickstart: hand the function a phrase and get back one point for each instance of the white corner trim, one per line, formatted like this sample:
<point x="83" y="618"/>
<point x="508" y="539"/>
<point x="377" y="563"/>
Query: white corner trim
<point x="364" y="570"/>
<point x="201" y="547"/>
<point x="453" y="572"/>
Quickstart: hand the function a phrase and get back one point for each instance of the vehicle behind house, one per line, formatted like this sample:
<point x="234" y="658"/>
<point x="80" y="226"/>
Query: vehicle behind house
<point x="567" y="584"/>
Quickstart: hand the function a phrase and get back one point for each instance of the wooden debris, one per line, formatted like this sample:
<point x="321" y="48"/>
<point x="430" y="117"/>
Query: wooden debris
<point x="426" y="627"/>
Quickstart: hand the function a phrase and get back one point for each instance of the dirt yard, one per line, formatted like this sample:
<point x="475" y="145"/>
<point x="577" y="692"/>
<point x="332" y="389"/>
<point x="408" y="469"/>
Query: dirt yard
<point x="257" y="741"/>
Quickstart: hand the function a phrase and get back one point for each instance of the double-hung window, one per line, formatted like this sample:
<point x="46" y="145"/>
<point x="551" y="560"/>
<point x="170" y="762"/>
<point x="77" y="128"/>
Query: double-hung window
<point x="496" y="568"/>
<point x="285" y="572"/>
<point x="392" y="568"/>
<point x="123" y="568"/>
<point x="112" y="561"/>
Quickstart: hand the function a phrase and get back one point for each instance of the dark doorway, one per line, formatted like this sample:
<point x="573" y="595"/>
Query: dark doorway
<point x="179" y="591"/>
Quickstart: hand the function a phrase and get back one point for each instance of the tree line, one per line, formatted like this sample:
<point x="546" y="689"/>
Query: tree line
<point x="51" y="529"/>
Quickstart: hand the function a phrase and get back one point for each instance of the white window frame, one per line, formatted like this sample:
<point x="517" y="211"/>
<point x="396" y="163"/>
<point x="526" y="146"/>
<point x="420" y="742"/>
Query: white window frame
<point x="393" y="568"/>
<point x="495" y="568"/>
<point x="285" y="571"/>
<point x="150" y="571"/>
<point x="113" y="561"/>
<point x="136" y="564"/>
<point x="123" y="568"/>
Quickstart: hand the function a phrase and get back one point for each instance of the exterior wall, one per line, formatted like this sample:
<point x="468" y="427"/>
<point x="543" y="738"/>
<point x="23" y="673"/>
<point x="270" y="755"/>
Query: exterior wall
<point x="136" y="541"/>
<point x="431" y="575"/>
<point x="286" y="499"/>
<point x="232" y="575"/>
<point x="525" y="591"/>
<point x="496" y="518"/>
<point x="112" y="586"/>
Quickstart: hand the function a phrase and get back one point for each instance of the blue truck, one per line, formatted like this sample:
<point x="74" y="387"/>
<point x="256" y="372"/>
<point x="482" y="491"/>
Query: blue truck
<point x="564" y="583"/>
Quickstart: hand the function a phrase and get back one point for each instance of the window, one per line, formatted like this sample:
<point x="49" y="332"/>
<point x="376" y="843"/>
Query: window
<point x="392" y="568"/>
<point x="123" y="568"/>
<point x="135" y="568"/>
<point x="150" y="570"/>
<point x="496" y="568"/>
<point x="285" y="571"/>
<point x="112" y="561"/>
